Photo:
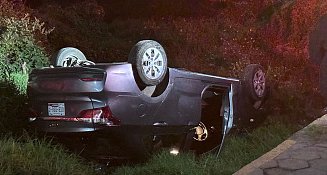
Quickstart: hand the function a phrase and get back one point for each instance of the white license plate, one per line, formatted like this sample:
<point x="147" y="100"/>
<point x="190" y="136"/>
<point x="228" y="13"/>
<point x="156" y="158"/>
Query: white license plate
<point x="56" y="109"/>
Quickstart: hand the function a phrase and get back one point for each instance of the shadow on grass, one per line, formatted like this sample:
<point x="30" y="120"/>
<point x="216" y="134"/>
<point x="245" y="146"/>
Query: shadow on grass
<point x="238" y="151"/>
<point x="12" y="109"/>
<point x="25" y="155"/>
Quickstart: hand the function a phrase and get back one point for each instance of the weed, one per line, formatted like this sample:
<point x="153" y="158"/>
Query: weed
<point x="19" y="51"/>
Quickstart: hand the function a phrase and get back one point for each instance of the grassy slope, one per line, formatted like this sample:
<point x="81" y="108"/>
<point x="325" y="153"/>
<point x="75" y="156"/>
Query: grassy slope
<point x="222" y="43"/>
<point x="237" y="152"/>
<point x="31" y="156"/>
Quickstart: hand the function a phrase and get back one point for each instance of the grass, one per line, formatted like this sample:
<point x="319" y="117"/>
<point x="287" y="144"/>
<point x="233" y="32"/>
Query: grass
<point x="19" y="81"/>
<point x="238" y="151"/>
<point x="26" y="155"/>
<point x="31" y="156"/>
<point x="316" y="132"/>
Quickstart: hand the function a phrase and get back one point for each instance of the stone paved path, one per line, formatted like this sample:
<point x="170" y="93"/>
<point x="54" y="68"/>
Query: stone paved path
<point x="305" y="153"/>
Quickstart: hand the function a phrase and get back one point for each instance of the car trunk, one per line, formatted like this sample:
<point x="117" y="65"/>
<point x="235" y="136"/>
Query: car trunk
<point x="63" y="95"/>
<point x="71" y="80"/>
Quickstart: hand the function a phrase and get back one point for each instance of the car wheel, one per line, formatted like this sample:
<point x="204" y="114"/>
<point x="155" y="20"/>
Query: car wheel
<point x="150" y="61"/>
<point x="207" y="138"/>
<point x="201" y="132"/>
<point x="68" y="57"/>
<point x="254" y="82"/>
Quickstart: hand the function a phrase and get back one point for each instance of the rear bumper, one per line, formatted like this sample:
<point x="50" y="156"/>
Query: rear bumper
<point x="62" y="126"/>
<point x="105" y="142"/>
<point x="100" y="143"/>
<point x="71" y="127"/>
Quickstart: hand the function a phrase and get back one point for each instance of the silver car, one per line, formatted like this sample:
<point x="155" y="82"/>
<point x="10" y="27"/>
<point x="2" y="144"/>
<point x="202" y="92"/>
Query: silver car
<point x="131" y="109"/>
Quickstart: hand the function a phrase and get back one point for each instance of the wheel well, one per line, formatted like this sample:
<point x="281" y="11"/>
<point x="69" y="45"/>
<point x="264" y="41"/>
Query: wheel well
<point x="212" y="101"/>
<point x="157" y="90"/>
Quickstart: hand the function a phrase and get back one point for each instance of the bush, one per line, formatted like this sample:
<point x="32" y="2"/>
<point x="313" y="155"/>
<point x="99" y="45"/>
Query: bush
<point x="19" y="81"/>
<point x="19" y="51"/>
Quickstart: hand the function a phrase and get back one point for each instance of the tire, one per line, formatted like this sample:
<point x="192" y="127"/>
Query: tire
<point x="254" y="82"/>
<point x="251" y="116"/>
<point x="68" y="57"/>
<point x="210" y="142"/>
<point x="149" y="59"/>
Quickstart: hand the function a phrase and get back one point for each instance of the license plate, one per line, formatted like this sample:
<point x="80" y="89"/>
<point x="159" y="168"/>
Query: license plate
<point x="56" y="109"/>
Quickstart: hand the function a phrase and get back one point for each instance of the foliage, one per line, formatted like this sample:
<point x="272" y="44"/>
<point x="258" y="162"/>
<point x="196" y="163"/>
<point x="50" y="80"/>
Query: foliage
<point x="212" y="38"/>
<point x="19" y="51"/>
<point x="19" y="81"/>
<point x="30" y="156"/>
<point x="9" y="9"/>
<point x="237" y="152"/>
<point x="81" y="26"/>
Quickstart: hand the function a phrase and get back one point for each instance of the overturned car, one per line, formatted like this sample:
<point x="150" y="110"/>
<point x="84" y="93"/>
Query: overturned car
<point x="130" y="109"/>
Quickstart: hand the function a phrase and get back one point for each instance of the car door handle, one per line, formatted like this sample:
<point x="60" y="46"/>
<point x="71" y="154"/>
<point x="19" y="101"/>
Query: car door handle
<point x="160" y="124"/>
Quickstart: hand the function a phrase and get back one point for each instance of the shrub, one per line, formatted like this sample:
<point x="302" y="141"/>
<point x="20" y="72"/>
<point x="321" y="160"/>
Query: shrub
<point x="19" y="81"/>
<point x="19" y="51"/>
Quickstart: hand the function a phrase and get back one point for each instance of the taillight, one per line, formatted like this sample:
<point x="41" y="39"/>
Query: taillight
<point x="98" y="116"/>
<point x="85" y="116"/>
<point x="91" y="79"/>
